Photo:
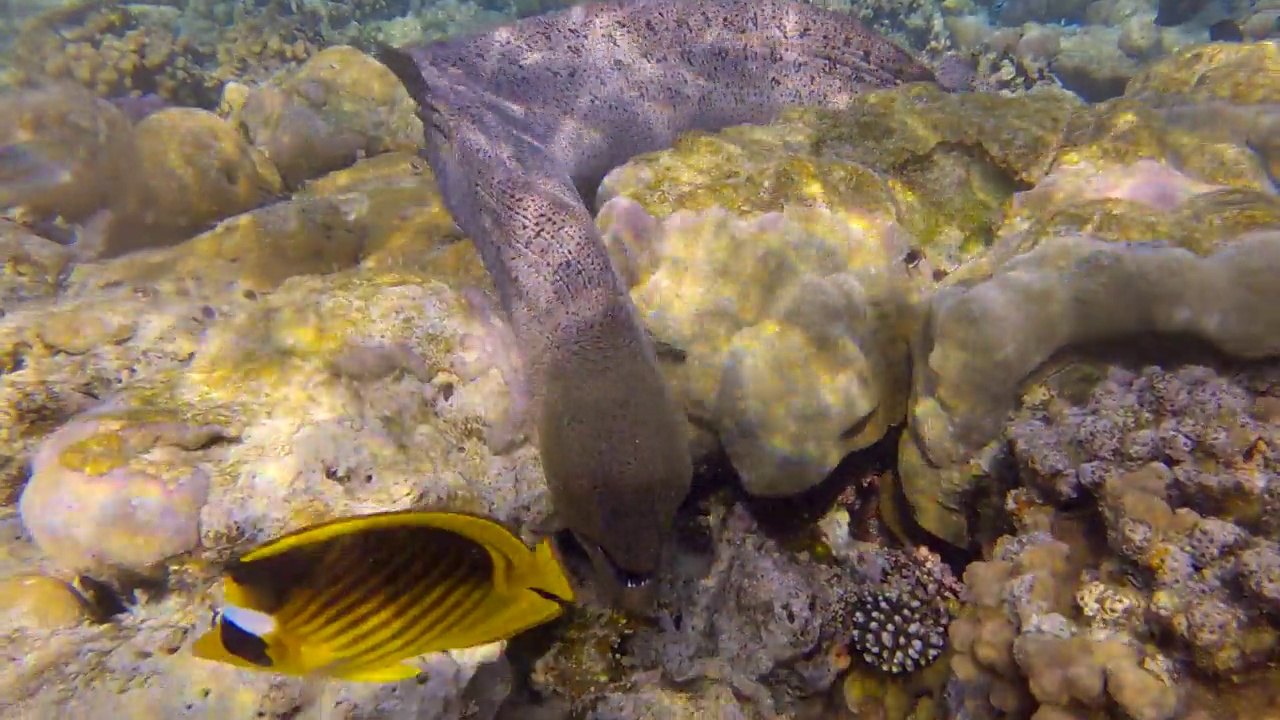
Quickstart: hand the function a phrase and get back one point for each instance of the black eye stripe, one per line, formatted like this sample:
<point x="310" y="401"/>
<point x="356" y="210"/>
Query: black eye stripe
<point x="242" y="643"/>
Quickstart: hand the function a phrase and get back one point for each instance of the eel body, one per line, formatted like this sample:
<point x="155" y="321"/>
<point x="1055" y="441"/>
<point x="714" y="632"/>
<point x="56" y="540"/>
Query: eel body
<point x="522" y="122"/>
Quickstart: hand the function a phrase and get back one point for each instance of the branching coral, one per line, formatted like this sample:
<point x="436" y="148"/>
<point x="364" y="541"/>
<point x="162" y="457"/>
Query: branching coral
<point x="1178" y="468"/>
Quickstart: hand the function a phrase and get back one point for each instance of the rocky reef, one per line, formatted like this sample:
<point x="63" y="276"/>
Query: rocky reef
<point x="984" y="390"/>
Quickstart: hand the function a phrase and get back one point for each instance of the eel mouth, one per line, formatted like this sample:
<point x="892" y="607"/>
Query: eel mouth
<point x="635" y="592"/>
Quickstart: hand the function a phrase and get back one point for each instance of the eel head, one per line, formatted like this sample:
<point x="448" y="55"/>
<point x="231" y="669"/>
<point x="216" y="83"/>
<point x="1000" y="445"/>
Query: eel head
<point x="615" y="451"/>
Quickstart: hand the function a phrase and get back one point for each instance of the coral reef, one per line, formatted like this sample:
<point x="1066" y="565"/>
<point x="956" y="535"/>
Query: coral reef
<point x="184" y="53"/>
<point x="775" y="627"/>
<point x="1177" y="597"/>
<point x="221" y="324"/>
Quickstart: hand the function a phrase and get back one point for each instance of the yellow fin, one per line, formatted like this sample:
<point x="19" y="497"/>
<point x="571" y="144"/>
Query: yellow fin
<point x="548" y="573"/>
<point x="477" y="528"/>
<point x="388" y="673"/>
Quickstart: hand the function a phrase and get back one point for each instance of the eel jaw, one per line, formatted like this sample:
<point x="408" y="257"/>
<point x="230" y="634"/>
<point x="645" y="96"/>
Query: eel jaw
<point x="634" y="592"/>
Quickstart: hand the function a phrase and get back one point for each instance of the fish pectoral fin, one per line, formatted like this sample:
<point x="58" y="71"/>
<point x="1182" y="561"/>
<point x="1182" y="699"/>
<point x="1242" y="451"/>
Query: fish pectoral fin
<point x="388" y="673"/>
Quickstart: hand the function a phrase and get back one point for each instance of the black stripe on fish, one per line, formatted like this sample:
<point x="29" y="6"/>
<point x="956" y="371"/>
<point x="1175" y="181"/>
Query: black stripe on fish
<point x="410" y="637"/>
<point x="366" y="595"/>
<point x="242" y="643"/>
<point x="457" y="578"/>
<point x="307" y="614"/>
<point x="380" y="562"/>
<point x="445" y="617"/>
<point x="393" y="602"/>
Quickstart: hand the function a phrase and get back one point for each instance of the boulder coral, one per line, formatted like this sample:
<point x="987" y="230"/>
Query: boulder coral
<point x="112" y="494"/>
<point x="748" y="302"/>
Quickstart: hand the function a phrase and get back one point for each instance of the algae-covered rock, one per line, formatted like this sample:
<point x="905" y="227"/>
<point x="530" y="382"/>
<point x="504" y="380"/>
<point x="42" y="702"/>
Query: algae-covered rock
<point x="339" y="106"/>
<point x="69" y="153"/>
<point x="39" y="602"/>
<point x="392" y="202"/>
<point x="30" y="266"/>
<point x="1125" y="131"/>
<point x="947" y="184"/>
<point x="193" y="169"/>
<point x="940" y="165"/>
<point x="1220" y="92"/>
<point x="346" y="392"/>
<point x="785" y="261"/>
<point x="1091" y="64"/>
<point x="383" y="212"/>
<point x="253" y="251"/>
<point x="1239" y="73"/>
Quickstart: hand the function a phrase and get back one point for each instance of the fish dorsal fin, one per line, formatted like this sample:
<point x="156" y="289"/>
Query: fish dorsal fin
<point x="339" y="528"/>
<point x="479" y="529"/>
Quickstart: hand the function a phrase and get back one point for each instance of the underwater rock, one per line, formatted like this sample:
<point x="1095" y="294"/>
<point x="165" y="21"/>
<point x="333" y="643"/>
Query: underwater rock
<point x="30" y="266"/>
<point x="339" y="106"/>
<point x="1107" y="199"/>
<point x="38" y="602"/>
<point x="68" y="151"/>
<point x="383" y="212"/>
<point x="1220" y="92"/>
<point x="1091" y="64"/>
<point x="193" y="169"/>
<point x="847" y="229"/>
<point x="342" y="390"/>
<point x="82" y="330"/>
<point x="1238" y="73"/>
<point x="112" y="493"/>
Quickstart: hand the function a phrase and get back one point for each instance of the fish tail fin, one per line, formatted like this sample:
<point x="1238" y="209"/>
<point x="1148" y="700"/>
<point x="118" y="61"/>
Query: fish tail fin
<point x="549" y="575"/>
<point x="380" y="674"/>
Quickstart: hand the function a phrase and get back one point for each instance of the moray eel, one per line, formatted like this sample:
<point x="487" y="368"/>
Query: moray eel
<point x="522" y="122"/>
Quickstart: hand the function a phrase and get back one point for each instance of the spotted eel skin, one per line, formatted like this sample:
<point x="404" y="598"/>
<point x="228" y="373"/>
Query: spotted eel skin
<point x="522" y="122"/>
